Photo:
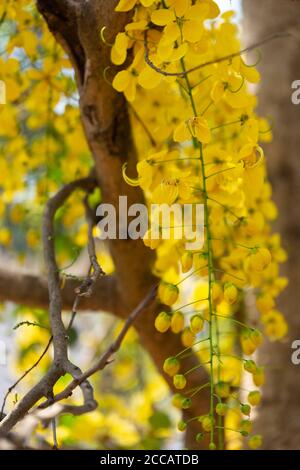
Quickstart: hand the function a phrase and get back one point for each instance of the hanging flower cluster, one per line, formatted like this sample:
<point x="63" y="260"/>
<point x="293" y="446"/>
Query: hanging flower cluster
<point x="199" y="141"/>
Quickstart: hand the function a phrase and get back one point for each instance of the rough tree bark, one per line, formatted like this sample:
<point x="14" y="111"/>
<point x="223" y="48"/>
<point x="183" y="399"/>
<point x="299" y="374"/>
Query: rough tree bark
<point x="76" y="25"/>
<point x="278" y="419"/>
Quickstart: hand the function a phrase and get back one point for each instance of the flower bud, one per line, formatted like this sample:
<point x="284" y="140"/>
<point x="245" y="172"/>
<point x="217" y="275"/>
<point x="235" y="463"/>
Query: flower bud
<point x="168" y="293"/>
<point x="171" y="366"/>
<point x="162" y="322"/>
<point x="177" y="322"/>
<point x="196" y="324"/>
<point x="179" y="381"/>
<point x="254" y="397"/>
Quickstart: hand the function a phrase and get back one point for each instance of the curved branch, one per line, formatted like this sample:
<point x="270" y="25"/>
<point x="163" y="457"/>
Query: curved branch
<point x="210" y="62"/>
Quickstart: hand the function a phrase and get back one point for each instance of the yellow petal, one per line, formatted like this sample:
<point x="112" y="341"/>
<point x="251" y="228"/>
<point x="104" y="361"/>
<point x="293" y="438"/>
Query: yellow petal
<point x="179" y="52"/>
<point x="164" y="50"/>
<point x="217" y="91"/>
<point x="192" y="30"/>
<point x="121" y="80"/>
<point x="147" y="3"/>
<point x="185" y="191"/>
<point x="214" y="10"/>
<point x="249" y="72"/>
<point x="165" y="193"/>
<point x="201" y="129"/>
<point x="252" y="155"/>
<point x="119" y="49"/>
<point x="254" y="181"/>
<point x="197" y="12"/>
<point x="130" y="91"/>
<point x="149" y="78"/>
<point x="171" y="33"/>
<point x="162" y="17"/>
<point x="181" y="133"/>
<point x="136" y="25"/>
<point x="180" y="6"/>
<point x="145" y="172"/>
<point x="125" y="5"/>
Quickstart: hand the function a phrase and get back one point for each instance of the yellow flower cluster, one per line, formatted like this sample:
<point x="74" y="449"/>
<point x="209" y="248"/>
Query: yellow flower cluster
<point x="201" y="142"/>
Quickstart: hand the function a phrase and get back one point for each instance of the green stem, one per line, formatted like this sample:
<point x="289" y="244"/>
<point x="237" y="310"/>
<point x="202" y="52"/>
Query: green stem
<point x="209" y="253"/>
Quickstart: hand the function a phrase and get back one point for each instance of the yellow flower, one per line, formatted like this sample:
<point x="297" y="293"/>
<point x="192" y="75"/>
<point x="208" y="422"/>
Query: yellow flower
<point x="150" y="241"/>
<point x="260" y="259"/>
<point x="216" y="292"/>
<point x="149" y="78"/>
<point x="217" y="91"/>
<point x="145" y="175"/>
<point x="201" y="130"/>
<point x="248" y="346"/>
<point x="119" y="49"/>
<point x="162" y="322"/>
<point x="230" y="293"/>
<point x="259" y="377"/>
<point x="126" y="5"/>
<point x="179" y="381"/>
<point x="196" y="127"/>
<point x="181" y="133"/>
<point x="166" y="192"/>
<point x="275" y="325"/>
<point x="168" y="293"/>
<point x="171" y="366"/>
<point x="255" y="442"/>
<point x="5" y="236"/>
<point x="254" y="398"/>
<point x="177" y="322"/>
<point x="187" y="338"/>
<point x="196" y="324"/>
<point x="249" y="72"/>
<point x="186" y="261"/>
<point x="126" y="80"/>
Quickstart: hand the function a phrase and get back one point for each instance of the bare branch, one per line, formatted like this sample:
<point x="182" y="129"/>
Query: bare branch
<point x="105" y="359"/>
<point x="61" y="364"/>
<point x="15" y="286"/>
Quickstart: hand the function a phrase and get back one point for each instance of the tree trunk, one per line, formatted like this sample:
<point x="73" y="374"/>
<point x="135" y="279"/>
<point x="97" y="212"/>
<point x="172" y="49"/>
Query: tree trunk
<point x="279" y="417"/>
<point x="104" y="115"/>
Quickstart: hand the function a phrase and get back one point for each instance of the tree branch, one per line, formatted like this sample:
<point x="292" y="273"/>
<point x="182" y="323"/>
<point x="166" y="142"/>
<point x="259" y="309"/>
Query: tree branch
<point x="15" y="286"/>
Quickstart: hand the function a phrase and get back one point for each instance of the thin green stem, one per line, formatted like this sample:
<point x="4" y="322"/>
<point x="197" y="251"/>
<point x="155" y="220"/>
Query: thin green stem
<point x="220" y="171"/>
<point x="196" y="367"/>
<point x="201" y="387"/>
<point x="209" y="252"/>
<point x="191" y="274"/>
<point x="190" y="303"/>
<point x="238" y="121"/>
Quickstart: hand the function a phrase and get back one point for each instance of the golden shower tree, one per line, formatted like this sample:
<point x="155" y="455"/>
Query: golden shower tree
<point x="150" y="100"/>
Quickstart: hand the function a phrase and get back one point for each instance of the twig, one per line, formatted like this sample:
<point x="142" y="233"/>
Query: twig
<point x="53" y="425"/>
<point x="61" y="363"/>
<point x="12" y="387"/>
<point x="105" y="359"/>
<point x="81" y="291"/>
<point x="30" y="323"/>
<point x="210" y="62"/>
